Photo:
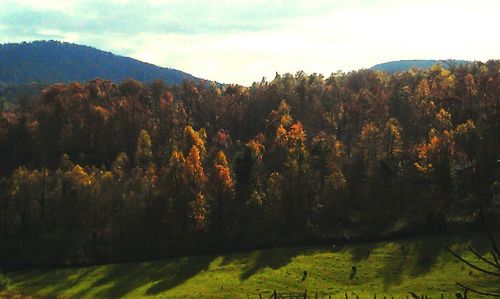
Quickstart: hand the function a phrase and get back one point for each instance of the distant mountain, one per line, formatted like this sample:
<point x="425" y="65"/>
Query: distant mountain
<point x="53" y="61"/>
<point x="405" y="65"/>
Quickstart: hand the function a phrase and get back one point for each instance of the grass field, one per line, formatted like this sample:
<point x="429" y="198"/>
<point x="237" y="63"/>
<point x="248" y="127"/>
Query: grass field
<point x="420" y="265"/>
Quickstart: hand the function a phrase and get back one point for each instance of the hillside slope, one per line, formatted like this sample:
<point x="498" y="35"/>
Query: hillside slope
<point x="417" y="265"/>
<point x="53" y="61"/>
<point x="405" y="65"/>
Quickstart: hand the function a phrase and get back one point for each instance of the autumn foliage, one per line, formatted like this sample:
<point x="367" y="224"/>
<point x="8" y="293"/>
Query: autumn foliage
<point x="99" y="172"/>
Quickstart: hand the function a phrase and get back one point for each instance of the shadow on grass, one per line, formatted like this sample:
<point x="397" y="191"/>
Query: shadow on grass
<point x="118" y="280"/>
<point x="412" y="257"/>
<point x="425" y="253"/>
<point x="361" y="252"/>
<point x="394" y="266"/>
<point x="164" y="275"/>
<point x="111" y="281"/>
<point x="258" y="260"/>
<point x="181" y="271"/>
<point x="418" y="257"/>
<point x="53" y="283"/>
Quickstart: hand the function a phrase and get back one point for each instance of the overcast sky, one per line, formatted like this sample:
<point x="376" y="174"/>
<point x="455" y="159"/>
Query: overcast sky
<point x="235" y="41"/>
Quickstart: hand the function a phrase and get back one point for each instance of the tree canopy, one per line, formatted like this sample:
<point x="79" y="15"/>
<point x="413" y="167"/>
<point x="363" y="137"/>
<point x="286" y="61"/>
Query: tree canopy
<point x="100" y="172"/>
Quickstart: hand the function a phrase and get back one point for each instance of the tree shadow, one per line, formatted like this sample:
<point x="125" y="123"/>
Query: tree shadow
<point x="118" y="280"/>
<point x="177" y="273"/>
<point x="361" y="252"/>
<point x="394" y="266"/>
<point x="419" y="256"/>
<point x="166" y="275"/>
<point x="414" y="257"/>
<point x="122" y="278"/>
<point x="481" y="243"/>
<point x="50" y="283"/>
<point x="57" y="281"/>
<point x="258" y="260"/>
<point x="71" y="281"/>
<point x="113" y="281"/>
<point x="426" y="252"/>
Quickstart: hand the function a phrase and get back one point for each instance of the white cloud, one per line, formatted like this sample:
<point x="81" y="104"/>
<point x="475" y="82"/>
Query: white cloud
<point x="348" y="38"/>
<point x="45" y="5"/>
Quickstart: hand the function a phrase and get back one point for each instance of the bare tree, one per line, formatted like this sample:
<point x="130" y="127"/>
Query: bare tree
<point x="493" y="262"/>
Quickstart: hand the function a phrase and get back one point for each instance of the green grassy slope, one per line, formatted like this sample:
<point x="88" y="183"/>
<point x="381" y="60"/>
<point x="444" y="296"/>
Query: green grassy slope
<point x="394" y="268"/>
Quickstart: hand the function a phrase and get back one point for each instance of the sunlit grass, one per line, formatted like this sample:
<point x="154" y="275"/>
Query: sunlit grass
<point x="419" y="265"/>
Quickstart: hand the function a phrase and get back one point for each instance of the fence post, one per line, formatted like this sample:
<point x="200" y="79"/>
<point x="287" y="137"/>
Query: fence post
<point x="316" y="295"/>
<point x="346" y="296"/>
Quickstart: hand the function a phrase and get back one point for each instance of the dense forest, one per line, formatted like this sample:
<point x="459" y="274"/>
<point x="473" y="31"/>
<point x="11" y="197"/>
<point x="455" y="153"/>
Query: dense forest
<point x="54" y="61"/>
<point x="101" y="172"/>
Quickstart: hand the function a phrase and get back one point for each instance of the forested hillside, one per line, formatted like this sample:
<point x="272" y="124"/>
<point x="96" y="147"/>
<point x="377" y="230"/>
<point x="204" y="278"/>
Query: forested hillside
<point x="406" y="65"/>
<point x="99" y="172"/>
<point x="53" y="61"/>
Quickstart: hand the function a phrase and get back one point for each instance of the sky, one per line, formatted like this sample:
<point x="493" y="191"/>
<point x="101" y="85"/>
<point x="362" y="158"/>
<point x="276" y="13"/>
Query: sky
<point x="242" y="41"/>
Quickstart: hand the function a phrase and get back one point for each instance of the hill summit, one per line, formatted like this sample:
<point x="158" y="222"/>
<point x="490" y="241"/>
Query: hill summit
<point x="54" y="61"/>
<point x="405" y="65"/>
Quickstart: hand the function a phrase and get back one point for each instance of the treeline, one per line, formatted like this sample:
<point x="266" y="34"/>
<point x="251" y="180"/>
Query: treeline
<point x="101" y="172"/>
